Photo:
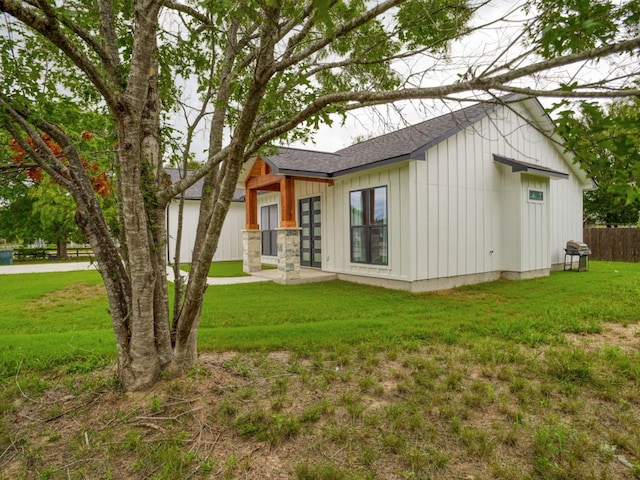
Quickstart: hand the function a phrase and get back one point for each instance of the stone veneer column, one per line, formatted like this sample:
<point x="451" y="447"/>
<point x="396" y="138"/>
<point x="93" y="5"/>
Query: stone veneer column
<point x="289" y="253"/>
<point x="251" y="257"/>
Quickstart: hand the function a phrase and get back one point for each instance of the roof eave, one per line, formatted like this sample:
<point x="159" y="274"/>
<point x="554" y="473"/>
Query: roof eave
<point x="298" y="173"/>
<point x="369" y="166"/>
<point x="544" y="119"/>
<point x="523" y="167"/>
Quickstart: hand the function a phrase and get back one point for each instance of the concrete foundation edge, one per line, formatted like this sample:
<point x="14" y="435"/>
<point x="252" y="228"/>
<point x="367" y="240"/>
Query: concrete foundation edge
<point x="446" y="283"/>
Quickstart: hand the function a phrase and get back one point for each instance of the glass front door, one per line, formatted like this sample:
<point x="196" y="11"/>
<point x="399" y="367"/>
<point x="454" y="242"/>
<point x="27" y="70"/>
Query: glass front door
<point x="311" y="234"/>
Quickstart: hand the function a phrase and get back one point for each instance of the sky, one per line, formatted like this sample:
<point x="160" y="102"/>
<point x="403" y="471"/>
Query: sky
<point x="371" y="122"/>
<point x="475" y="49"/>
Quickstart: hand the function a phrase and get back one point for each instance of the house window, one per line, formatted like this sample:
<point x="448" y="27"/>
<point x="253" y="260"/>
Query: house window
<point x="536" y="196"/>
<point x="369" y="226"/>
<point x="268" y="225"/>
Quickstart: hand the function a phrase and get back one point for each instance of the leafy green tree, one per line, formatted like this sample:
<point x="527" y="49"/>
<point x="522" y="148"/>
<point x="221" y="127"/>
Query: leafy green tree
<point x="15" y="205"/>
<point x="604" y="207"/>
<point x="606" y="139"/>
<point x="41" y="212"/>
<point x="16" y="221"/>
<point x="36" y="207"/>
<point x="263" y="71"/>
<point x="55" y="210"/>
<point x="44" y="211"/>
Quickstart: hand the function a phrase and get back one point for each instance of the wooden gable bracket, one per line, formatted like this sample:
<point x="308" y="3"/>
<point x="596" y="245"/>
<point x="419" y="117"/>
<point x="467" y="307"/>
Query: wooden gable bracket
<point x="262" y="178"/>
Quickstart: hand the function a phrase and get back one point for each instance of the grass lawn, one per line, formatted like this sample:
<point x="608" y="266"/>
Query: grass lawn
<point x="232" y="268"/>
<point x="528" y="379"/>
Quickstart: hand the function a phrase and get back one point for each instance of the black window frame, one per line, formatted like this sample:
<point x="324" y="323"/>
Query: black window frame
<point x="368" y="229"/>
<point x="269" y="234"/>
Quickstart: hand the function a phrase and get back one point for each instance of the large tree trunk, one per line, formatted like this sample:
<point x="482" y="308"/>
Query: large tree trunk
<point x="219" y="188"/>
<point x="61" y="249"/>
<point x="148" y="348"/>
<point x="142" y="366"/>
<point x="185" y="348"/>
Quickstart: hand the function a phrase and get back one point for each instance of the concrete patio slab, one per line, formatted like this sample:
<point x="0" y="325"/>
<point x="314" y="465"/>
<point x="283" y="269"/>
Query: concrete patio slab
<point x="307" y="275"/>
<point x="220" y="280"/>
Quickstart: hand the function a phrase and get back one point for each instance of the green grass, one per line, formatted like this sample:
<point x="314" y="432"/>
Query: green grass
<point x="232" y="268"/>
<point x="53" y="319"/>
<point x="270" y="316"/>
<point x="73" y="323"/>
<point x="332" y="380"/>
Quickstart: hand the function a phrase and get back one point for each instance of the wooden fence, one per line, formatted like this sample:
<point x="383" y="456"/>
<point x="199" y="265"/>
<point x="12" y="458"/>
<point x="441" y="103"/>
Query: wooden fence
<point x="22" y="254"/>
<point x="614" y="244"/>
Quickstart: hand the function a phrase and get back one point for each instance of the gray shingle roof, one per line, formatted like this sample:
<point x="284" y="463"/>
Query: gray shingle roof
<point x="194" y="192"/>
<point x="304" y="162"/>
<point x="407" y="143"/>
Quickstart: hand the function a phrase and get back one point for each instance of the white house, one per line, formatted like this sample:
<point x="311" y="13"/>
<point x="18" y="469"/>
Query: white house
<point x="230" y="243"/>
<point x="478" y="194"/>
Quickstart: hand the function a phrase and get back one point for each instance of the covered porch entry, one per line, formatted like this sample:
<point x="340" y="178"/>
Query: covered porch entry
<point x="297" y="238"/>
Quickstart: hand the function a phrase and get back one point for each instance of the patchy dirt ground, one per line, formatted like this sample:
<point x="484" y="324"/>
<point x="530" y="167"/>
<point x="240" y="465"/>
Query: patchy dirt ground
<point x="624" y="337"/>
<point x="69" y="295"/>
<point x="437" y="412"/>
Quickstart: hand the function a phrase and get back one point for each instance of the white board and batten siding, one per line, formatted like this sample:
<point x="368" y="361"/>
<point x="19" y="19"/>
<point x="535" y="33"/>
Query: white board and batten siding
<point x="229" y="244"/>
<point x="565" y="205"/>
<point x="458" y="213"/>
<point x="479" y="217"/>
<point x="337" y="228"/>
<point x="457" y="227"/>
<point x="563" y="197"/>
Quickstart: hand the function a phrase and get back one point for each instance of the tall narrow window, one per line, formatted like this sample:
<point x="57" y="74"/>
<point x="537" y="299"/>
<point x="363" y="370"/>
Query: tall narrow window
<point x="268" y="225"/>
<point x="368" y="211"/>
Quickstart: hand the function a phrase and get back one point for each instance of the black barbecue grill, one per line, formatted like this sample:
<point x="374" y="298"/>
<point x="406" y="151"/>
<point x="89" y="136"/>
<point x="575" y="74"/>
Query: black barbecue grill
<point x="576" y="249"/>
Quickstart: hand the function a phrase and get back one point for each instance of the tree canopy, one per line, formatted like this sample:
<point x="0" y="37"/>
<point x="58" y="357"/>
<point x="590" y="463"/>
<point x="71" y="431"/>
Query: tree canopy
<point x="250" y="74"/>
<point x="36" y="207"/>
<point x="606" y="139"/>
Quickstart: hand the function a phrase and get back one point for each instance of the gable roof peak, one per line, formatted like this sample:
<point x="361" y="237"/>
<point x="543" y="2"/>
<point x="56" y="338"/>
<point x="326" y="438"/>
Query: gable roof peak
<point x="409" y="142"/>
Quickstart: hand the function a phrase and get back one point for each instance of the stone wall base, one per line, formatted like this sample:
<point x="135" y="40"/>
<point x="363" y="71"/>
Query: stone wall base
<point x="251" y="249"/>
<point x="288" y="254"/>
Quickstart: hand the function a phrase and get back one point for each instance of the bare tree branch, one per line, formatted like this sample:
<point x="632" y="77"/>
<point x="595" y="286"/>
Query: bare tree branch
<point x="624" y="46"/>
<point x="559" y="93"/>
<point x="192" y="12"/>
<point x="111" y="58"/>
<point x="13" y="167"/>
<point x="341" y="31"/>
<point x="49" y="27"/>
<point x="43" y="157"/>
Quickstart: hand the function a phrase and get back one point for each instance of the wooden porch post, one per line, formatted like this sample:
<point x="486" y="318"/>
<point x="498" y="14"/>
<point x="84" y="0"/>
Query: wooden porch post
<point x="251" y="209"/>
<point x="288" y="234"/>
<point x="288" y="202"/>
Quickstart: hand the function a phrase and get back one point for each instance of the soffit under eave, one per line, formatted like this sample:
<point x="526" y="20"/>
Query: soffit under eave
<point x="546" y="124"/>
<point x="244" y="173"/>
